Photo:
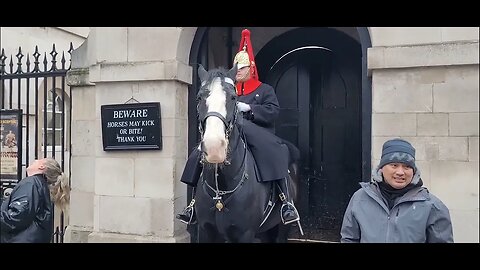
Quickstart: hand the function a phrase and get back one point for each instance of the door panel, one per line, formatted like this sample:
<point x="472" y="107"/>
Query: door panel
<point x="319" y="103"/>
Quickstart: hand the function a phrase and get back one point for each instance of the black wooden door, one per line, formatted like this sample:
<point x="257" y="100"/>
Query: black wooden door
<point x="319" y="96"/>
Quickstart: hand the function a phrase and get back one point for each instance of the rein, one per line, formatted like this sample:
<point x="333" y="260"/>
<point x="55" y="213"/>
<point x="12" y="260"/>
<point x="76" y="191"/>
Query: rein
<point x="219" y="193"/>
<point x="229" y="126"/>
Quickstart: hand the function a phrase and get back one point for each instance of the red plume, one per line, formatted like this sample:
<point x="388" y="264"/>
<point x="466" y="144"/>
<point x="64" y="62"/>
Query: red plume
<point x="254" y="82"/>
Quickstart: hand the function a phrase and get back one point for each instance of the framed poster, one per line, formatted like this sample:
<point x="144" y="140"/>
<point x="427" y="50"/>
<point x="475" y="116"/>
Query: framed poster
<point x="10" y="149"/>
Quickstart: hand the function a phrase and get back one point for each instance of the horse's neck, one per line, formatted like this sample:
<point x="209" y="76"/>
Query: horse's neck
<point x="237" y="152"/>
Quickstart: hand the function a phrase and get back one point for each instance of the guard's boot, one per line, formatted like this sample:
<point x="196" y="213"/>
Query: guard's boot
<point x="288" y="212"/>
<point x="188" y="214"/>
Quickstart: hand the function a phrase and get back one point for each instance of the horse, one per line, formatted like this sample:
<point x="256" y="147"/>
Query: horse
<point x="231" y="202"/>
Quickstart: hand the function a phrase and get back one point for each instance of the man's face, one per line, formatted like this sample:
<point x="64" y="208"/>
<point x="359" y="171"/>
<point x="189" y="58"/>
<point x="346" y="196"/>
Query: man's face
<point x="397" y="175"/>
<point x="243" y="74"/>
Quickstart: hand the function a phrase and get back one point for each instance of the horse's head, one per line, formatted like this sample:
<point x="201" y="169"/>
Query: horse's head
<point x="217" y="111"/>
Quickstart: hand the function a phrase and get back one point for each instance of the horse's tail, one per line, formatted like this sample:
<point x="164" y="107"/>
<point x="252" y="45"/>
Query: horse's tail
<point x="293" y="161"/>
<point x="294" y="156"/>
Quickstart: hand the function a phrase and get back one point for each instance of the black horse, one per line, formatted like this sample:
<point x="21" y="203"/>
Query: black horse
<point x="231" y="203"/>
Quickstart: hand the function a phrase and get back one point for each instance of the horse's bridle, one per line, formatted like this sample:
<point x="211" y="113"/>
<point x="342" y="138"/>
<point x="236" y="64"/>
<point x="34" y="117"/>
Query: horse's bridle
<point x="228" y="125"/>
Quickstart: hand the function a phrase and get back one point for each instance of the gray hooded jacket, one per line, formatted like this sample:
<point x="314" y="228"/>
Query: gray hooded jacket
<point x="416" y="217"/>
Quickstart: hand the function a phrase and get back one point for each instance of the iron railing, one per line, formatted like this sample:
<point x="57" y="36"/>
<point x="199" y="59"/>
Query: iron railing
<point x="27" y="85"/>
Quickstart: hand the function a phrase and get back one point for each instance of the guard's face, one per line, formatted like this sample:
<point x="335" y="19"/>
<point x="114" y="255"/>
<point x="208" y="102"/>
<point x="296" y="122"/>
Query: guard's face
<point x="398" y="175"/>
<point x="243" y="74"/>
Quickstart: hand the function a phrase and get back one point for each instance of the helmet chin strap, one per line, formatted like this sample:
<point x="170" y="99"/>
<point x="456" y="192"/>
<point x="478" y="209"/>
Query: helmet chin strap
<point x="245" y="75"/>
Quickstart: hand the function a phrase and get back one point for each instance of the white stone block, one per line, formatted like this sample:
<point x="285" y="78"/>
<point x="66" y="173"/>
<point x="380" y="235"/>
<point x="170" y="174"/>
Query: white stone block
<point x="432" y="124"/>
<point x="114" y="176"/>
<point x="102" y="237"/>
<point x="152" y="43"/>
<point x="154" y="177"/>
<point x="456" y="184"/>
<point x="473" y="149"/>
<point x="96" y="212"/>
<point x="105" y="37"/>
<point x="397" y="94"/>
<point x="83" y="137"/>
<point x="463" y="124"/>
<point x="452" y="148"/>
<point x="81" y="208"/>
<point x="84" y="103"/>
<point x="181" y="99"/>
<point x="452" y="34"/>
<point x="77" y="234"/>
<point x="443" y="54"/>
<point x="171" y="70"/>
<point x="459" y="93"/>
<point x="424" y="167"/>
<point x="112" y="93"/>
<point x="83" y="173"/>
<point x="396" y="36"/>
<point x="169" y="126"/>
<point x="181" y="146"/>
<point x="162" y="217"/>
<point x="394" y="124"/>
<point x="465" y="225"/>
<point x="439" y="148"/>
<point x="126" y="215"/>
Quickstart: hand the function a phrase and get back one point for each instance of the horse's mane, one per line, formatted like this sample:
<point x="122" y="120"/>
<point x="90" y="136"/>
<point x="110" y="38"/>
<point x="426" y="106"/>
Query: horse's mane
<point x="216" y="73"/>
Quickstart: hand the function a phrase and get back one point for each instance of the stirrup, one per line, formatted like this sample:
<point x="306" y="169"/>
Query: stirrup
<point x="188" y="214"/>
<point x="292" y="208"/>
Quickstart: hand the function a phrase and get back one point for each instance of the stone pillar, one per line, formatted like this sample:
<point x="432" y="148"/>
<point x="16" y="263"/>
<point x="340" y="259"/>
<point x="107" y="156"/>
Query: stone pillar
<point x="425" y="88"/>
<point x="129" y="196"/>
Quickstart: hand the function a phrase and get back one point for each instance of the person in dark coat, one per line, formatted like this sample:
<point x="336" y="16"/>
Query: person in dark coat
<point x="259" y="105"/>
<point x="26" y="216"/>
<point x="395" y="207"/>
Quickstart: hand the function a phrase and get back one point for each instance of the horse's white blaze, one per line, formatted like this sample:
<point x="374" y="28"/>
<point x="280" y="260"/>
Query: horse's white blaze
<point x="214" y="139"/>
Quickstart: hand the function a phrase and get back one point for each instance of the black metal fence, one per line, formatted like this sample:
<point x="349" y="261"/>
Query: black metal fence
<point x="38" y="89"/>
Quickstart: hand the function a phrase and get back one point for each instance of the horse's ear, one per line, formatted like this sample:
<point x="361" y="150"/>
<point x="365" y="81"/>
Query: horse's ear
<point x="232" y="72"/>
<point x="202" y="73"/>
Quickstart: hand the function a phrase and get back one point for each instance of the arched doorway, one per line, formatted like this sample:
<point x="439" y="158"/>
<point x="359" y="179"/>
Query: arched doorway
<point x="319" y="77"/>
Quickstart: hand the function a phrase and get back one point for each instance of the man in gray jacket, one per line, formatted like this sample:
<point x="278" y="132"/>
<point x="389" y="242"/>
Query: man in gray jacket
<point x="394" y="207"/>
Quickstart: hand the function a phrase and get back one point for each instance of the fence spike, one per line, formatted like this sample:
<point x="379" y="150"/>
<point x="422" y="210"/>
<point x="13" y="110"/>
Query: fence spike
<point x="70" y="52"/>
<point x="2" y="62"/>
<point x="19" y="56"/>
<point x="11" y="64"/>
<point x="45" y="62"/>
<point x="28" y="62"/>
<point x="63" y="60"/>
<point x="36" y="55"/>
<point x="54" y="56"/>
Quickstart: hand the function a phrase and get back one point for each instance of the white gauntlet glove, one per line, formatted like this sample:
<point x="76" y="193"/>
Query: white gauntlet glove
<point x="243" y="107"/>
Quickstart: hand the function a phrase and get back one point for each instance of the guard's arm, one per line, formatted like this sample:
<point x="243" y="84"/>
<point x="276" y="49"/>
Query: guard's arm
<point x="267" y="112"/>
